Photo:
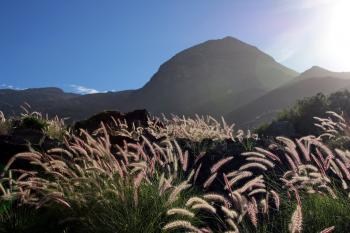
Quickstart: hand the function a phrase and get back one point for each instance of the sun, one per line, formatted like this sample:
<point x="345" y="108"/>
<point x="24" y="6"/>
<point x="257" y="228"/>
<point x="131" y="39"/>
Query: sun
<point x="337" y="37"/>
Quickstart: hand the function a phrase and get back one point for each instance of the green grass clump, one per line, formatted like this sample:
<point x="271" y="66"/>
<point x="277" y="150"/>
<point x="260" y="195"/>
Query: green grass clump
<point x="321" y="212"/>
<point x="113" y="214"/>
<point x="32" y="122"/>
<point x="53" y="128"/>
<point x="23" y="218"/>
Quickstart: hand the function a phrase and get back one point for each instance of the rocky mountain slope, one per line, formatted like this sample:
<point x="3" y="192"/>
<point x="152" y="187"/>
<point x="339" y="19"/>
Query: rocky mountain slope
<point x="309" y="83"/>
<point x="215" y="77"/>
<point x="219" y="77"/>
<point x="40" y="99"/>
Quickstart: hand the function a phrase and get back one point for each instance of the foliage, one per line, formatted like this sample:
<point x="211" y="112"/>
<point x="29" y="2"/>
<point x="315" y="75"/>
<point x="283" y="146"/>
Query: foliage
<point x="113" y="214"/>
<point x="261" y="130"/>
<point x="23" y="218"/>
<point x="32" y="122"/>
<point x="127" y="193"/>
<point x="197" y="129"/>
<point x="291" y="185"/>
<point x="301" y="114"/>
<point x="321" y="212"/>
<point x="54" y="128"/>
<point x="5" y="124"/>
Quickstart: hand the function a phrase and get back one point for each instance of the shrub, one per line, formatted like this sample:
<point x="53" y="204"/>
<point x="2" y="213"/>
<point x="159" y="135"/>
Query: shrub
<point x="122" y="214"/>
<point x="301" y="114"/>
<point x="261" y="130"/>
<point x="53" y="128"/>
<point x="56" y="129"/>
<point x="32" y="122"/>
<point x="15" y="218"/>
<point x="5" y="124"/>
<point x="320" y="212"/>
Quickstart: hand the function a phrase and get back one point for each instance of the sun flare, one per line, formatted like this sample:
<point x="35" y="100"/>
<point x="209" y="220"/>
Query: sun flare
<point x="337" y="39"/>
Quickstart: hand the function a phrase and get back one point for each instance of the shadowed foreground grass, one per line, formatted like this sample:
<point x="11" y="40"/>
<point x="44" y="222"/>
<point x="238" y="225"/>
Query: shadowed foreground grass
<point x="92" y="185"/>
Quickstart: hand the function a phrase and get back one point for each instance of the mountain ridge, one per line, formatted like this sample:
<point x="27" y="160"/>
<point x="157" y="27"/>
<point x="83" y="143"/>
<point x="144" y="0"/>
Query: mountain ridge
<point x="211" y="69"/>
<point x="267" y="107"/>
<point x="218" y="77"/>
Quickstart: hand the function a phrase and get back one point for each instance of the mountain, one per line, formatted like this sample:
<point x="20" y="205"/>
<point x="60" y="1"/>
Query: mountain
<point x="40" y="99"/>
<point x="319" y="72"/>
<point x="83" y="106"/>
<point x="214" y="77"/>
<point x="309" y="83"/>
<point x="211" y="78"/>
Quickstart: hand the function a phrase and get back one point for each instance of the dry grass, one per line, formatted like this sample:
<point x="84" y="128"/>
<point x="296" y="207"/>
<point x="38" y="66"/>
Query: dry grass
<point x="4" y="124"/>
<point x="87" y="170"/>
<point x="53" y="127"/>
<point x="197" y="129"/>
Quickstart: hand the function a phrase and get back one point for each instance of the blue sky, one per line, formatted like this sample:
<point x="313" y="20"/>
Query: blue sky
<point x="86" y="45"/>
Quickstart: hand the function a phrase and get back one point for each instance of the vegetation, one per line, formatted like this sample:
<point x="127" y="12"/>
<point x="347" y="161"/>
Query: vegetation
<point x="53" y="128"/>
<point x="4" y="124"/>
<point x="149" y="183"/>
<point x="302" y="113"/>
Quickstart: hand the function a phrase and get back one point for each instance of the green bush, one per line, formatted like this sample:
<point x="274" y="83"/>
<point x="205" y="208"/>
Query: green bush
<point x="320" y="212"/>
<point x="112" y="214"/>
<point x="22" y="218"/>
<point x="301" y="115"/>
<point x="32" y="122"/>
<point x="261" y="130"/>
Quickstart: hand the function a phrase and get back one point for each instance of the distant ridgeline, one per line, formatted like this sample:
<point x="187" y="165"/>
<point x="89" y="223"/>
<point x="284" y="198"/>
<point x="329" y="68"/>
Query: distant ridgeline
<point x="224" y="77"/>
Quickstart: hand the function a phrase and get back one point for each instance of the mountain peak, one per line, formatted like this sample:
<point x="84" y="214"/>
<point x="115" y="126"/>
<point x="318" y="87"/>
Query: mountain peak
<point x="230" y="39"/>
<point x="211" y="71"/>
<point x="319" y="72"/>
<point x="316" y="69"/>
<point x="213" y="77"/>
<point x="228" y="42"/>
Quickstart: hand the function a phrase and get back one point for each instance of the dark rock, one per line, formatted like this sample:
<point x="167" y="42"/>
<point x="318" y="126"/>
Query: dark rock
<point x="22" y="140"/>
<point x="137" y="117"/>
<point x="108" y="118"/>
<point x="9" y="148"/>
<point x="281" y="128"/>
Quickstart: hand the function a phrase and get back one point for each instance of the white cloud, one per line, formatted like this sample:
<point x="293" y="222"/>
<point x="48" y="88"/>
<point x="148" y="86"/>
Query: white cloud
<point x="83" y="90"/>
<point x="6" y="86"/>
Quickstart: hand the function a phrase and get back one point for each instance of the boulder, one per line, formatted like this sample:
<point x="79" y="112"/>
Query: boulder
<point x="108" y="118"/>
<point x="22" y="140"/>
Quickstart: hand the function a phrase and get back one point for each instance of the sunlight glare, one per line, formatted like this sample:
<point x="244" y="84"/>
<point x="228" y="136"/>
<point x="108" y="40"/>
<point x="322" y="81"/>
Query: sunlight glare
<point x="337" y="41"/>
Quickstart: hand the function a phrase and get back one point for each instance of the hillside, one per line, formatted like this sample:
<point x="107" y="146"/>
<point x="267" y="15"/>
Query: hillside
<point x="40" y="99"/>
<point x="211" y="74"/>
<point x="309" y="83"/>
<point x="214" y="77"/>
<point x="319" y="72"/>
